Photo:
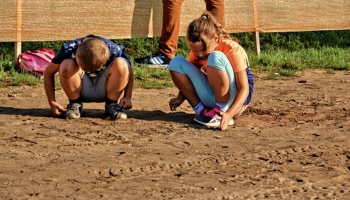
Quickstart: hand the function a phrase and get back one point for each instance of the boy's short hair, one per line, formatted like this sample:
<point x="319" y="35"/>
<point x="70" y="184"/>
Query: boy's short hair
<point x="92" y="54"/>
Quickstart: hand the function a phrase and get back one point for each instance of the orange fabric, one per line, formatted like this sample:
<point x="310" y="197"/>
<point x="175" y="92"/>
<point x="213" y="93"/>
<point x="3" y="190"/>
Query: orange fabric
<point x="233" y="51"/>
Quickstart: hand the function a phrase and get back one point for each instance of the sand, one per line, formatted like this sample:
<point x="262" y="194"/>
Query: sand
<point x="293" y="142"/>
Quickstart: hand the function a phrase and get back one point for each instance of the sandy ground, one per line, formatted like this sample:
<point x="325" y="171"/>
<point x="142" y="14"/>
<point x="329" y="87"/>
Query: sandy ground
<point x="292" y="143"/>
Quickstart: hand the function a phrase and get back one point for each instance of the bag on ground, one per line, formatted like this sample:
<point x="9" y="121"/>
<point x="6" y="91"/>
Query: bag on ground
<point x="35" y="62"/>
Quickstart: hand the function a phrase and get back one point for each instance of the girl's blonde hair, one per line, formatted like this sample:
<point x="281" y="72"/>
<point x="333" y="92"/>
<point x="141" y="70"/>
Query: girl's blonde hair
<point x="204" y="28"/>
<point x="92" y="54"/>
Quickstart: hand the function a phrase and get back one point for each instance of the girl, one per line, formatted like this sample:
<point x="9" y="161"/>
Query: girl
<point x="216" y="79"/>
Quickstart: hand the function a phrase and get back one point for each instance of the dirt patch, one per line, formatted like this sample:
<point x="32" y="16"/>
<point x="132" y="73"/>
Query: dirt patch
<point x="293" y="142"/>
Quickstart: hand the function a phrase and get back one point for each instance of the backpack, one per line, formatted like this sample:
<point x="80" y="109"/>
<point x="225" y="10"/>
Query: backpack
<point x="35" y="62"/>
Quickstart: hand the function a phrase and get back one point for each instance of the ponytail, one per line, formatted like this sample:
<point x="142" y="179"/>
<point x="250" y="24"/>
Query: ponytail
<point x="204" y="28"/>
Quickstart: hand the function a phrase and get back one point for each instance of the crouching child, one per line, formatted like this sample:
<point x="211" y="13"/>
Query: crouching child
<point x="91" y="69"/>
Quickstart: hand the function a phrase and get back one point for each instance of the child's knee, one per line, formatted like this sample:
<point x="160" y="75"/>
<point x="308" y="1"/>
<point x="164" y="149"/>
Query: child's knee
<point x="175" y="63"/>
<point x="119" y="65"/>
<point x="68" y="68"/>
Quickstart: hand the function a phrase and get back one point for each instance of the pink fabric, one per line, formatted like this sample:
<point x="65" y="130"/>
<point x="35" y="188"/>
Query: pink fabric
<point x="35" y="62"/>
<point x="214" y="112"/>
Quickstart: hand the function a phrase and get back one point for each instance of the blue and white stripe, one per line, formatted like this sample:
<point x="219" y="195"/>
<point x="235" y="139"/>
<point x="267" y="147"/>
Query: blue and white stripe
<point x="157" y="60"/>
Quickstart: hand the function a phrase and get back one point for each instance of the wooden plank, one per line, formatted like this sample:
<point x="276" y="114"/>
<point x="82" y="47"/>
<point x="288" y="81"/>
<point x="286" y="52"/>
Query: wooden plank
<point x="256" y="39"/>
<point x="18" y="43"/>
<point x="256" y="27"/>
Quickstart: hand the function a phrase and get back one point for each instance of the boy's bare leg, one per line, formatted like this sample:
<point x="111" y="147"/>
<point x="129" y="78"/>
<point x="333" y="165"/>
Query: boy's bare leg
<point x="118" y="79"/>
<point x="70" y="78"/>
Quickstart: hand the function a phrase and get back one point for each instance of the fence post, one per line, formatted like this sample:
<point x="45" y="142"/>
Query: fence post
<point x="256" y="25"/>
<point x="18" y="49"/>
<point x="256" y="39"/>
<point x="18" y="43"/>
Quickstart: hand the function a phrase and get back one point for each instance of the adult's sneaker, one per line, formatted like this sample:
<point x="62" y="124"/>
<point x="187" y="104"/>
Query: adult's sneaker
<point x="156" y="60"/>
<point x="73" y="111"/>
<point x="114" y="111"/>
<point x="210" y="117"/>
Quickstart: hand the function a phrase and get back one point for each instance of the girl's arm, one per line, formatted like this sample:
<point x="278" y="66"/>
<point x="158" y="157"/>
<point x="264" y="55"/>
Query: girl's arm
<point x="242" y="93"/>
<point x="176" y="102"/>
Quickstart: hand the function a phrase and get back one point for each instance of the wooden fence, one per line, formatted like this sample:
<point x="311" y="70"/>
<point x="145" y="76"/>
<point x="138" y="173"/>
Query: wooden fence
<point x="43" y="20"/>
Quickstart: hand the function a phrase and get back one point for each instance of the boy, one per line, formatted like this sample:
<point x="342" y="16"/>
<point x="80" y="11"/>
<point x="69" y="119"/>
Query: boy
<point x="91" y="69"/>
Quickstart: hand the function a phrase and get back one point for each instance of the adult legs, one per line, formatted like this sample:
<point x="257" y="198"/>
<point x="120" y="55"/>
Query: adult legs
<point x="170" y="28"/>
<point x="171" y="23"/>
<point x="217" y="7"/>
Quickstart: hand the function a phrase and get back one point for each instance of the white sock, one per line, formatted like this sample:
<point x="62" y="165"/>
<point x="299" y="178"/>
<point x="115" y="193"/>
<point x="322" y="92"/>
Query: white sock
<point x="223" y="106"/>
<point x="198" y="108"/>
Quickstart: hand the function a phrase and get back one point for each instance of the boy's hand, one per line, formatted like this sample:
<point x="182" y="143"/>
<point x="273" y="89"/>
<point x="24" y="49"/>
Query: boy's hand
<point x="57" y="109"/>
<point x="175" y="102"/>
<point x="125" y="103"/>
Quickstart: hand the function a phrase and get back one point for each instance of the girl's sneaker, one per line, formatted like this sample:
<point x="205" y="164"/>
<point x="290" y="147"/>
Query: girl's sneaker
<point x="114" y="111"/>
<point x="210" y="117"/>
<point x="73" y="111"/>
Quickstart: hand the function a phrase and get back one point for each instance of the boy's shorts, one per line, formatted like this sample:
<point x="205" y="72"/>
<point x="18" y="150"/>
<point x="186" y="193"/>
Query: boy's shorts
<point x="94" y="88"/>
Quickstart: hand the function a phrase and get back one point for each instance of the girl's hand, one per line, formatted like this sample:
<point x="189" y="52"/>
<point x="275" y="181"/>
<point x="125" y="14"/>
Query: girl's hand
<point x="125" y="103"/>
<point x="225" y="119"/>
<point x="175" y="102"/>
<point x="57" y="109"/>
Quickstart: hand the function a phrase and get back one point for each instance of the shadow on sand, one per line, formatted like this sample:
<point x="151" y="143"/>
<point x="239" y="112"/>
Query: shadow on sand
<point x="155" y="115"/>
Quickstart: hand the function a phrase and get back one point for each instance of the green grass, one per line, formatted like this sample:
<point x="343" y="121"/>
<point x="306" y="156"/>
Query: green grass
<point x="273" y="76"/>
<point x="330" y="71"/>
<point x="280" y="60"/>
<point x="152" y="78"/>
<point x="13" y="78"/>
<point x="282" y="54"/>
